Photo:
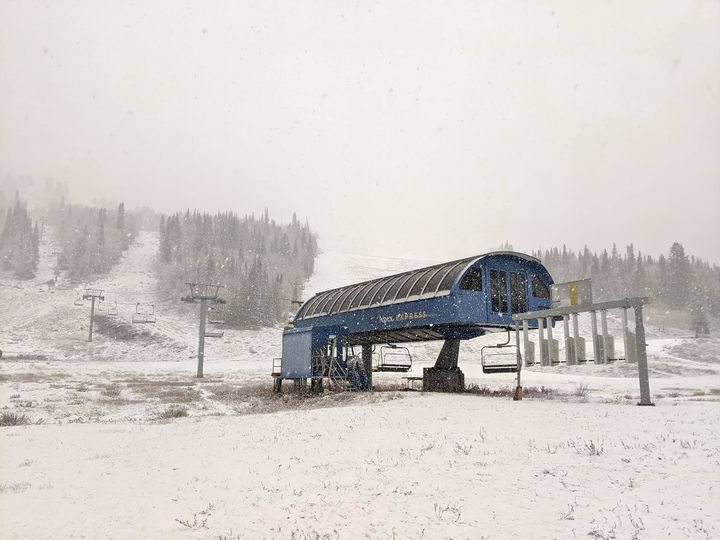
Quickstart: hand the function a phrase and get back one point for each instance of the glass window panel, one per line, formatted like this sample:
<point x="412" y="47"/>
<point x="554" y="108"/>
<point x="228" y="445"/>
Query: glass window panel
<point x="313" y="305"/>
<point x="539" y="289"/>
<point x="392" y="291"/>
<point x="346" y="303"/>
<point x="434" y="280"/>
<point x="378" y="296"/>
<point x="327" y="308"/>
<point x="332" y="296"/>
<point x="356" y="301"/>
<point x="405" y="287"/>
<point x="420" y="283"/>
<point x="518" y="292"/>
<point x="368" y="297"/>
<point x="472" y="280"/>
<point x="503" y="292"/>
<point x="498" y="291"/>
<point x="451" y="276"/>
<point x="337" y="305"/>
<point x="321" y="301"/>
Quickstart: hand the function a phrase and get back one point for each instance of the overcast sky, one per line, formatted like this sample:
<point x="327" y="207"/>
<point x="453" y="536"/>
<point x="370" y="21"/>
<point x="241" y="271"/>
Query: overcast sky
<point x="422" y="129"/>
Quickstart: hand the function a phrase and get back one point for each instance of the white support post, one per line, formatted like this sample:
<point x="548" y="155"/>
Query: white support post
<point x="550" y="341"/>
<point x="541" y="322"/>
<point x="566" y="335"/>
<point x="576" y="337"/>
<point x="593" y="326"/>
<point x="603" y="323"/>
<point x="526" y="343"/>
<point x="625" y="336"/>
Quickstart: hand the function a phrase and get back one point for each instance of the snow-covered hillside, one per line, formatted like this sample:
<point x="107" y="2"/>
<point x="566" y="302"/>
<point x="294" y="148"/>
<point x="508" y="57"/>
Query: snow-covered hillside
<point x="575" y="458"/>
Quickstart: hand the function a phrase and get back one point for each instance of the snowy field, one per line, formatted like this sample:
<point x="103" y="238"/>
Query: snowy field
<point x="124" y="442"/>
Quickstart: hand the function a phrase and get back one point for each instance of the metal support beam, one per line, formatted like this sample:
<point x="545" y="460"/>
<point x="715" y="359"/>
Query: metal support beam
<point x="569" y="354"/>
<point x="593" y="325"/>
<point x="576" y="338"/>
<point x="603" y="325"/>
<point x="526" y="343"/>
<point x="625" y="332"/>
<point x="551" y="357"/>
<point x="448" y="357"/>
<point x="201" y="337"/>
<point x="518" y="388"/>
<point x="642" y="357"/>
<point x="541" y="323"/>
<point x="367" y="363"/>
<point x="92" y="316"/>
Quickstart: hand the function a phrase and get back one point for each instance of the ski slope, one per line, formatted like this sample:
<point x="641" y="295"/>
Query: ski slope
<point x="575" y="458"/>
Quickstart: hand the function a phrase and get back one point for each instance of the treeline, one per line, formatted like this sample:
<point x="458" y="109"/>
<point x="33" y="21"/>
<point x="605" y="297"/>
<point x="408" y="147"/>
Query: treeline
<point x="676" y="280"/>
<point x="261" y="264"/>
<point x="19" y="241"/>
<point x="91" y="240"/>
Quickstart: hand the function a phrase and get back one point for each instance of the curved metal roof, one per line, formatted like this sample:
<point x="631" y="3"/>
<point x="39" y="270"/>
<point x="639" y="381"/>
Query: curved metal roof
<point x="428" y="282"/>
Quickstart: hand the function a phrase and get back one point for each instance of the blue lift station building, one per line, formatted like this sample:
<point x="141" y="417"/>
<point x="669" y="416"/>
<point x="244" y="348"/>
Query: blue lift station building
<point x="453" y="301"/>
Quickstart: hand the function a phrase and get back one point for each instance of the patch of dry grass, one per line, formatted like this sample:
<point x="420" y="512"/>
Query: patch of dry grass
<point x="11" y="418"/>
<point x="32" y="377"/>
<point x="111" y="391"/>
<point x="509" y="392"/>
<point x="173" y="411"/>
<point x="118" y="329"/>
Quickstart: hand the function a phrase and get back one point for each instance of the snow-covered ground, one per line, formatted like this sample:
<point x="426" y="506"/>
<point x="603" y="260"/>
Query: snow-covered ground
<point x="575" y="458"/>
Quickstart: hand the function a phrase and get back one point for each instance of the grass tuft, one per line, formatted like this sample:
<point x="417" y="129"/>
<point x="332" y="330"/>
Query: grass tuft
<point x="173" y="411"/>
<point x="111" y="391"/>
<point x="16" y="419"/>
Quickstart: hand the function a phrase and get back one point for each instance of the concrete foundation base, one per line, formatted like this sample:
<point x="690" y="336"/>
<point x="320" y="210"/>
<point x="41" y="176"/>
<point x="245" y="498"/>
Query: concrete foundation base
<point x="443" y="380"/>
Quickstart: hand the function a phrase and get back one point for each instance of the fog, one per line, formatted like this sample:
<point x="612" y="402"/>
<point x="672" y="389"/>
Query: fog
<point x="424" y="129"/>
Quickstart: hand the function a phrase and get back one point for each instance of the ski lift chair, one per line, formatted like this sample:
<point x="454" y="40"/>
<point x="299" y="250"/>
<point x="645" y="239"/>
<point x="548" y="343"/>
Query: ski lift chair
<point x="113" y="310"/>
<point x="79" y="302"/>
<point x="144" y="314"/>
<point x="393" y="359"/>
<point x="500" y="358"/>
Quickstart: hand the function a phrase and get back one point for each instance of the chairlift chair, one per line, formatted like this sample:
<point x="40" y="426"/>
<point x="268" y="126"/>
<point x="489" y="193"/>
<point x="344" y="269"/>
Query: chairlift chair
<point x="496" y="360"/>
<point x="113" y="310"/>
<point x="393" y="359"/>
<point x="144" y="313"/>
<point x="79" y="302"/>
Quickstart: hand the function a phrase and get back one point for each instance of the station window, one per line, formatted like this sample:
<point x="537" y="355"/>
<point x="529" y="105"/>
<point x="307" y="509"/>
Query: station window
<point x="434" y="280"/>
<point x="405" y="289"/>
<point x="518" y="292"/>
<point x="451" y="276"/>
<point x="361" y="294"/>
<point x="349" y="298"/>
<point x="498" y="291"/>
<point x="312" y="309"/>
<point x="332" y="296"/>
<point x="377" y="297"/>
<point x="392" y="291"/>
<point x="369" y="295"/>
<point x="472" y="280"/>
<point x="337" y="305"/>
<point x="539" y="289"/>
<point x="421" y="282"/>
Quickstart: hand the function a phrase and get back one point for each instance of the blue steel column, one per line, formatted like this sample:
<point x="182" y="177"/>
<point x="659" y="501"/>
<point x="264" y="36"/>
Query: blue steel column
<point x="367" y="362"/>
